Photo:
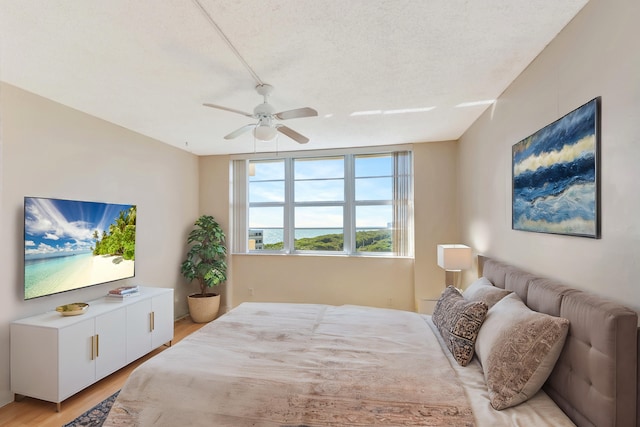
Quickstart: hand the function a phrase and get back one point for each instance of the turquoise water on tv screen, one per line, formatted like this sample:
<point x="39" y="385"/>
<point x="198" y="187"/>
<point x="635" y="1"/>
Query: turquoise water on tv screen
<point x="43" y="276"/>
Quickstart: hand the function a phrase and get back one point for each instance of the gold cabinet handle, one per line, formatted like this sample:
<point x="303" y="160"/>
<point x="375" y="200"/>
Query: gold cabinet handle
<point x="152" y="319"/>
<point x="95" y="346"/>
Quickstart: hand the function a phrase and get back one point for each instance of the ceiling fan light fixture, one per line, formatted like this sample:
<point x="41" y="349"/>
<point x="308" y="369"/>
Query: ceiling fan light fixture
<point x="266" y="129"/>
<point x="265" y="132"/>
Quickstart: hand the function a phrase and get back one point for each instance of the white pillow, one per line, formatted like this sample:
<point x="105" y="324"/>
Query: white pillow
<point x="518" y="349"/>
<point x="483" y="290"/>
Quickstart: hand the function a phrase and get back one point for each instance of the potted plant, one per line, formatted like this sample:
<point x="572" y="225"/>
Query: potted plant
<point x="206" y="262"/>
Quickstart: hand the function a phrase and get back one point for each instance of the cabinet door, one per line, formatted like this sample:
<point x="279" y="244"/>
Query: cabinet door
<point x="77" y="357"/>
<point x="111" y="336"/>
<point x="138" y="329"/>
<point x="34" y="362"/>
<point x="162" y="319"/>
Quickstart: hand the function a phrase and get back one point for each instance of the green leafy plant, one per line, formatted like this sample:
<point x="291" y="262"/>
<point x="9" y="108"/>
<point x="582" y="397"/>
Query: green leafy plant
<point x="206" y="258"/>
<point x="121" y="238"/>
<point x="366" y="241"/>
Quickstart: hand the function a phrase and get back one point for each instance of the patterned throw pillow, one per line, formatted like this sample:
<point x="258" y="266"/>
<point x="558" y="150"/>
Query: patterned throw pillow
<point x="459" y="321"/>
<point x="483" y="290"/>
<point x="518" y="348"/>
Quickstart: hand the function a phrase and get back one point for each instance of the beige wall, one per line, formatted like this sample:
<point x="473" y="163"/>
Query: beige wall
<point x="49" y="150"/>
<point x="375" y="281"/>
<point x="214" y="199"/>
<point x="596" y="55"/>
<point x="436" y="212"/>
<point x="378" y="282"/>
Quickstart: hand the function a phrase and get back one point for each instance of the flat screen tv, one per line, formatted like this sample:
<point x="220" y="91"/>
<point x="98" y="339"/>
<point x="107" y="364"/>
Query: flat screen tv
<point x="72" y="244"/>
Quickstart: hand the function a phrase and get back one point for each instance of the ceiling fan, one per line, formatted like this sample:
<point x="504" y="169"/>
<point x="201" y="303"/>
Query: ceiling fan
<point x="266" y="128"/>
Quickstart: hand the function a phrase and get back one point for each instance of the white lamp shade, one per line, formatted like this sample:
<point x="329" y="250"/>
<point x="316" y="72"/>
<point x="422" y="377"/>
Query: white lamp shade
<point x="454" y="257"/>
<point x="265" y="132"/>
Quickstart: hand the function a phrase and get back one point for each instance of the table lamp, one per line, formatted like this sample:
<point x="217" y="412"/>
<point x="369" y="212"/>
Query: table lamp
<point x="453" y="258"/>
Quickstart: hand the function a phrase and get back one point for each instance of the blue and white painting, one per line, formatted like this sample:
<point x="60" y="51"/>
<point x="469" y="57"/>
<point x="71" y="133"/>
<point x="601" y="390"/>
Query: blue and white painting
<point x="555" y="188"/>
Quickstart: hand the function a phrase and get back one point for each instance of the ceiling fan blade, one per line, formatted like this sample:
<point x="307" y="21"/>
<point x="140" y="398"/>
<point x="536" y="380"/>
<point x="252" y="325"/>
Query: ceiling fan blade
<point x="301" y="139"/>
<point x="220" y="107"/>
<point x="240" y="131"/>
<point x="296" y="114"/>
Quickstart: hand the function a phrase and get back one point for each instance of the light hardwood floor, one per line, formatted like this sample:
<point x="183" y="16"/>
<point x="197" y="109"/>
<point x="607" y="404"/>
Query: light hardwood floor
<point x="33" y="412"/>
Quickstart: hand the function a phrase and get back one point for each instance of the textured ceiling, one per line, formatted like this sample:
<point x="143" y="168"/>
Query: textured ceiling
<point x="148" y="65"/>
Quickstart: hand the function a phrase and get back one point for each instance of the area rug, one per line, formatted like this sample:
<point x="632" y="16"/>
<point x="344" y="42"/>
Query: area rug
<point x="95" y="416"/>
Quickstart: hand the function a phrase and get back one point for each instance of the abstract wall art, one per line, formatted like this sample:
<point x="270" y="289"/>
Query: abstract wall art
<point x="556" y="177"/>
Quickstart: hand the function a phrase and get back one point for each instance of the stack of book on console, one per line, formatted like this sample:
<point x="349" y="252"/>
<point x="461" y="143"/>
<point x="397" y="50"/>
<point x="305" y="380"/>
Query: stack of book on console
<point x="123" y="292"/>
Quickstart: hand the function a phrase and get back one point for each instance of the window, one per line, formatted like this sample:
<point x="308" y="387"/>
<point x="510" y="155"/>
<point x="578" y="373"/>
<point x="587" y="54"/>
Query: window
<point x="319" y="204"/>
<point x="351" y="204"/>
<point x="266" y="208"/>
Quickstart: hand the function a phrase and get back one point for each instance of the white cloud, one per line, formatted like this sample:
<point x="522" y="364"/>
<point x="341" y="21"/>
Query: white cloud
<point x="42" y="248"/>
<point x="42" y="218"/>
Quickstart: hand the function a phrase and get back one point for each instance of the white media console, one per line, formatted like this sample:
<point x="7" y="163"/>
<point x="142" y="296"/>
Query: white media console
<point x="55" y="356"/>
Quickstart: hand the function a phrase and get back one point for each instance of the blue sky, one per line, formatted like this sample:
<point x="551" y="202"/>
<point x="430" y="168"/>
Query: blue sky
<point x="55" y="226"/>
<point x="375" y="183"/>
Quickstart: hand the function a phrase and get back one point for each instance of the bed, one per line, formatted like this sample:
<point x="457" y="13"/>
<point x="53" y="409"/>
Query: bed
<point x="273" y="364"/>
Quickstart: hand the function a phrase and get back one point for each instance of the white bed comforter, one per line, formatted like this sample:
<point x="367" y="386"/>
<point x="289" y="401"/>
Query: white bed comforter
<point x="267" y="364"/>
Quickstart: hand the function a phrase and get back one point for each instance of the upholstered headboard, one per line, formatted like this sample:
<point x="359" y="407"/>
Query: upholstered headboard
<point x="595" y="381"/>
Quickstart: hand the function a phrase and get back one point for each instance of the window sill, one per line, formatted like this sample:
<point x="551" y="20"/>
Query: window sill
<point x="319" y="254"/>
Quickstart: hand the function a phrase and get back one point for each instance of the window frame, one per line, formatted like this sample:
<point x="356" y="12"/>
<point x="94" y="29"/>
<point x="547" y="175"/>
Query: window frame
<point x="241" y="204"/>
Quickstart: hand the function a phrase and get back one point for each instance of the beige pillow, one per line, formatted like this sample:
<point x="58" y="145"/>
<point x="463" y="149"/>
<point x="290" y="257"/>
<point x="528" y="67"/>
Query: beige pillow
<point x="458" y="321"/>
<point x="483" y="290"/>
<point x="518" y="349"/>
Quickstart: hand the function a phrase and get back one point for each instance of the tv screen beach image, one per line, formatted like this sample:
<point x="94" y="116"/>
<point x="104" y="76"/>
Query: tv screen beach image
<point x="73" y="244"/>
